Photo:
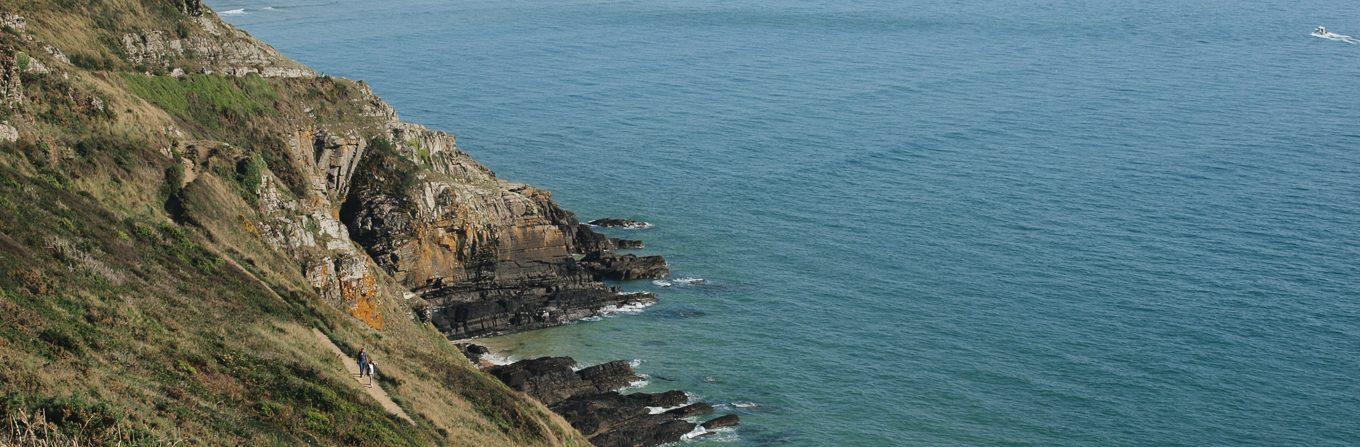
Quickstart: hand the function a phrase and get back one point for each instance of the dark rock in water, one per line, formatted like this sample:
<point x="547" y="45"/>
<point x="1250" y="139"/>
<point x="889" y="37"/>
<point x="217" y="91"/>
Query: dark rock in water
<point x="585" y="240"/>
<point x="645" y="431"/>
<point x="548" y="379"/>
<point x="589" y="400"/>
<point x="626" y="243"/>
<point x="551" y="379"/>
<point x="459" y="315"/>
<point x="610" y="265"/>
<point x="473" y="352"/>
<point x="609" y="376"/>
<point x="693" y="409"/>
<point x="722" y="421"/>
<point x="610" y="222"/>
<point x="593" y="414"/>
<point x="613" y="419"/>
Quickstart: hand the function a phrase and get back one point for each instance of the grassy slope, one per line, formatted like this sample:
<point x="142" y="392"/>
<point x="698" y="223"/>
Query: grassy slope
<point x="137" y="307"/>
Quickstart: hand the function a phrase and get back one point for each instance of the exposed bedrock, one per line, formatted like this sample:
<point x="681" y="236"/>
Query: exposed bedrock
<point x="590" y="401"/>
<point x="610" y="265"/>
<point x="484" y="255"/>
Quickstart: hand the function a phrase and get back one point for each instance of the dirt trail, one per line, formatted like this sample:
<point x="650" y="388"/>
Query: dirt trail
<point x="376" y="391"/>
<point x="345" y="362"/>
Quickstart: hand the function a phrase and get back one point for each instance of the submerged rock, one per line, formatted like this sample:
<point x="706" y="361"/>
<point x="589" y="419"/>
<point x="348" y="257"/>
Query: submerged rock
<point x="693" y="409"/>
<point x="727" y="420"/>
<point x="626" y="243"/>
<point x="630" y="224"/>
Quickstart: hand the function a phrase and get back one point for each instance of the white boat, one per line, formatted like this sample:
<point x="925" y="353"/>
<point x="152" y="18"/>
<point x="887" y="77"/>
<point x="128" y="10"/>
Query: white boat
<point x="1322" y="33"/>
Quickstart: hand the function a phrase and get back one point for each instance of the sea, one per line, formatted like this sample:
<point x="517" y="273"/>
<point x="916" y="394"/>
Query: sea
<point x="920" y="223"/>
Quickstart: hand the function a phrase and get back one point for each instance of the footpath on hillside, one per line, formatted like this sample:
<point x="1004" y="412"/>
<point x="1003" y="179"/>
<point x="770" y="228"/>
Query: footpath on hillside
<point x="375" y="391"/>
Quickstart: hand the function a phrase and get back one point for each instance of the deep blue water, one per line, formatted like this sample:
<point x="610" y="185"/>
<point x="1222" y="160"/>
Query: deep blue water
<point x="928" y="223"/>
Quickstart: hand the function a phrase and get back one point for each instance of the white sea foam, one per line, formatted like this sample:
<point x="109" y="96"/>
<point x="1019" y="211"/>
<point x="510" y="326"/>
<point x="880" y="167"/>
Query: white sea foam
<point x="661" y="283"/>
<point x="724" y="434"/>
<point x="628" y="226"/>
<point x="629" y="308"/>
<point x="267" y="8"/>
<point x="659" y="410"/>
<point x="642" y="381"/>
<point x="634" y="363"/>
<point x="1336" y="37"/>
<point x="690" y="281"/>
<point x="497" y="359"/>
<point x="745" y="404"/>
<point x="232" y="12"/>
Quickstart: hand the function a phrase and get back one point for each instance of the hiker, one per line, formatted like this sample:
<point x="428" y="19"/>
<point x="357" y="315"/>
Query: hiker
<point x="363" y="362"/>
<point x="371" y="367"/>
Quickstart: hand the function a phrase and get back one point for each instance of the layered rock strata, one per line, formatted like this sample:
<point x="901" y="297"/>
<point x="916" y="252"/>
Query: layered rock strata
<point x="610" y="265"/>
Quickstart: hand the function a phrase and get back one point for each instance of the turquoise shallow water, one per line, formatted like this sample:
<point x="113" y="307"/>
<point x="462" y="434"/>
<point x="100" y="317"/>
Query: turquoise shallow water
<point x="973" y="223"/>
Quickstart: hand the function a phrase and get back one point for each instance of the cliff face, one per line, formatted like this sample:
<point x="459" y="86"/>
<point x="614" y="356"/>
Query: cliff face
<point x="484" y="254"/>
<point x="217" y="169"/>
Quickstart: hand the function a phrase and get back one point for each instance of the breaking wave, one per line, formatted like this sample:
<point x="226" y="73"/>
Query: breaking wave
<point x="725" y="434"/>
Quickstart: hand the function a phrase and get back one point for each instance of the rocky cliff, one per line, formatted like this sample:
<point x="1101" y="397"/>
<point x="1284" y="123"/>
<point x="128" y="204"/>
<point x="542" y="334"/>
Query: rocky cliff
<point x="196" y="201"/>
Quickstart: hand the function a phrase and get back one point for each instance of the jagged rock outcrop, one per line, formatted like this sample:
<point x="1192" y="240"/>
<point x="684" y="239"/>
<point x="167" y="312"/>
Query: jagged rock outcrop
<point x="11" y="85"/>
<point x="8" y="133"/>
<point x="190" y="7"/>
<point x="590" y="401"/>
<point x="610" y="265"/>
<point x="218" y="49"/>
<point x="485" y="255"/>
<point x="13" y="21"/>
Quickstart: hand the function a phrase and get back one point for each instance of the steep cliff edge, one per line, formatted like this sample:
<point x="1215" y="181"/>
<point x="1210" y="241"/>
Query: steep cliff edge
<point x="179" y="201"/>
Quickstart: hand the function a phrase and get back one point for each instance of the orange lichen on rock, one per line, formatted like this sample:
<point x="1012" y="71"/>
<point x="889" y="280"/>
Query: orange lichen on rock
<point x="362" y="294"/>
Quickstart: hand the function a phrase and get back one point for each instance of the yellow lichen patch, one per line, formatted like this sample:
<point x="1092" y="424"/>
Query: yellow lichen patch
<point x="362" y="294"/>
<point x="249" y="226"/>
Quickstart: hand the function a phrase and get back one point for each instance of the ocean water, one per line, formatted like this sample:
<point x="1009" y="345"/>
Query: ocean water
<point x="984" y="222"/>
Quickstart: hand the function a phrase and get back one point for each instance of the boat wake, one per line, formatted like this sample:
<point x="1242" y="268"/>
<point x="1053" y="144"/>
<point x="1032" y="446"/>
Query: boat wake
<point x="1322" y="33"/>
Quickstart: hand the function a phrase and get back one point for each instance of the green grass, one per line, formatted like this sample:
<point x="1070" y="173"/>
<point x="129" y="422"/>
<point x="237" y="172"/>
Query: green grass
<point x="211" y="102"/>
<point x="158" y="293"/>
<point x="249" y="174"/>
<point x="138" y="309"/>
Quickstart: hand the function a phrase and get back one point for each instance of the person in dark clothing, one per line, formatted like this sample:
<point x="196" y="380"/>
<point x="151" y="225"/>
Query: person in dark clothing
<point x="363" y="362"/>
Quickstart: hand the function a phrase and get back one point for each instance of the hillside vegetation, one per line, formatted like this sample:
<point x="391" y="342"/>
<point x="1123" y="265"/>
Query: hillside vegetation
<point x="169" y="196"/>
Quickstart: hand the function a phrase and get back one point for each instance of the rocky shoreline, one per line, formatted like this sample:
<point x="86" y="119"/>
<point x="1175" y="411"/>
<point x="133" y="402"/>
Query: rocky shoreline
<point x="297" y="181"/>
<point x="590" y="400"/>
